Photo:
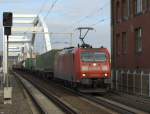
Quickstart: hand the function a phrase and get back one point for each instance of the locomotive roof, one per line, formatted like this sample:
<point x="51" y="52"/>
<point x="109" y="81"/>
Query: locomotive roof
<point x="73" y="49"/>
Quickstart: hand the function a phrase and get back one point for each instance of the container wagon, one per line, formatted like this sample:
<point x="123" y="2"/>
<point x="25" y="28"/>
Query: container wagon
<point x="29" y="63"/>
<point x="45" y="63"/>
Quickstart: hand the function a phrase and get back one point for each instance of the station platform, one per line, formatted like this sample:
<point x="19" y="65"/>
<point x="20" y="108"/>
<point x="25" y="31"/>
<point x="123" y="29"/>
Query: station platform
<point x="45" y="104"/>
<point x="21" y="102"/>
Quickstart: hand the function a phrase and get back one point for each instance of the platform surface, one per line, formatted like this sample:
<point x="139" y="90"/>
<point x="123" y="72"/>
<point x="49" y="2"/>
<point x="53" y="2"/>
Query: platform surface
<point x="48" y="106"/>
<point x="20" y="102"/>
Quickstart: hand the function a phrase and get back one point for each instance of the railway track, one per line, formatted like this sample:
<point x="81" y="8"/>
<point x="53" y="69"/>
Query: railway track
<point x="122" y="106"/>
<point x="118" y="107"/>
<point x="110" y="104"/>
<point x="94" y="105"/>
<point x="51" y="96"/>
<point x="137" y="102"/>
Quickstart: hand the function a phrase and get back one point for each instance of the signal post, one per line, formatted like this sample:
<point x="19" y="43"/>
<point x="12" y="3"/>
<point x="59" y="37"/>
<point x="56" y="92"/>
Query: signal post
<point x="7" y="23"/>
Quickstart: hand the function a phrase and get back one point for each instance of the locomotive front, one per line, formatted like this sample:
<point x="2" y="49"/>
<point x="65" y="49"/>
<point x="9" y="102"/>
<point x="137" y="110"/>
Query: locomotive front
<point x="94" y="67"/>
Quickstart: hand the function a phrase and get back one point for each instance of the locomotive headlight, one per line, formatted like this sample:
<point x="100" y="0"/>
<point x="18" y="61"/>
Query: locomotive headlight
<point x="83" y="75"/>
<point x="104" y="68"/>
<point x="94" y="64"/>
<point x="105" y="74"/>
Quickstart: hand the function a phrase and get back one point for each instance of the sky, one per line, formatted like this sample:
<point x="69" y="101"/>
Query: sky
<point x="66" y="16"/>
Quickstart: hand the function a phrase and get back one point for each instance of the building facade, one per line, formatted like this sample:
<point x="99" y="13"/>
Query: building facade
<point x="131" y="45"/>
<point x="131" y="34"/>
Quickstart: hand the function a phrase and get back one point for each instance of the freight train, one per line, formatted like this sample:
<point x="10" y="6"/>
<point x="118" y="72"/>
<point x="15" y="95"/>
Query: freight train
<point x="86" y="69"/>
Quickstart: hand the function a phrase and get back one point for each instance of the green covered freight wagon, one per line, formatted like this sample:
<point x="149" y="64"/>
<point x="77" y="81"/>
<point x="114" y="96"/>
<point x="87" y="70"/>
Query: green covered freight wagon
<point x="30" y="63"/>
<point x="45" y="62"/>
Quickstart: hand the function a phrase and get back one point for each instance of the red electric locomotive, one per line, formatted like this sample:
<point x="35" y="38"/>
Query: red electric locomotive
<point x="85" y="68"/>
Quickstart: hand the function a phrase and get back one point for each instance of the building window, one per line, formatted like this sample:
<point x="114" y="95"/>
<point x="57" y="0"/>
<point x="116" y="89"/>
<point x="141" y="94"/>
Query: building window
<point x="117" y="12"/>
<point x="146" y="5"/>
<point x="124" y="42"/>
<point x="126" y="9"/>
<point x="118" y="44"/>
<point x="138" y="39"/>
<point x="138" y="6"/>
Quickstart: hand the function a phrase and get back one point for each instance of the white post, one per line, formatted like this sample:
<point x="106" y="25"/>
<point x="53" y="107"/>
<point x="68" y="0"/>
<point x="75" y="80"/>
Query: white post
<point x="117" y="79"/>
<point x="31" y="50"/>
<point x="71" y="39"/>
<point x="128" y="72"/>
<point x="7" y="89"/>
<point x="4" y="58"/>
<point x="121" y="80"/>
<point x="121" y="77"/>
<point x="134" y="75"/>
<point x="149" y="84"/>
<point x="112" y="76"/>
<point x="142" y="82"/>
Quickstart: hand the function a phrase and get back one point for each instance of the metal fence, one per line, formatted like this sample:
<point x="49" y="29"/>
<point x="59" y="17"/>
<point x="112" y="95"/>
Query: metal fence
<point x="132" y="82"/>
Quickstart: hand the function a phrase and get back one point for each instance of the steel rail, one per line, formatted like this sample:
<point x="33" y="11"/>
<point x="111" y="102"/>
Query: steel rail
<point x="52" y="97"/>
<point x="39" y="108"/>
<point x="112" y="106"/>
<point x="101" y="102"/>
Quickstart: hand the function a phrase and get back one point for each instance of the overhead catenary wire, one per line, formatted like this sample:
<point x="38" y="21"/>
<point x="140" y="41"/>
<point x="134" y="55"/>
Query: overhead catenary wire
<point x="93" y="13"/>
<point x="100" y="21"/>
<point x="42" y="6"/>
<point x="50" y="9"/>
<point x="88" y="16"/>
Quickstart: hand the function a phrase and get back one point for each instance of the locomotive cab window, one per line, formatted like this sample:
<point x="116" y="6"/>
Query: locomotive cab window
<point x="100" y="56"/>
<point x="93" y="57"/>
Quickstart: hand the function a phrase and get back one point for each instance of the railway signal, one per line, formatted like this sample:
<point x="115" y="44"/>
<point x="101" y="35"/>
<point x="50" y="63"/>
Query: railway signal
<point x="7" y="22"/>
<point x="7" y="19"/>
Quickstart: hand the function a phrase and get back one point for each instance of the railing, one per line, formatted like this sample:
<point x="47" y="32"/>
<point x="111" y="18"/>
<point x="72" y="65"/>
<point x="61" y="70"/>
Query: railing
<point x="132" y="82"/>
